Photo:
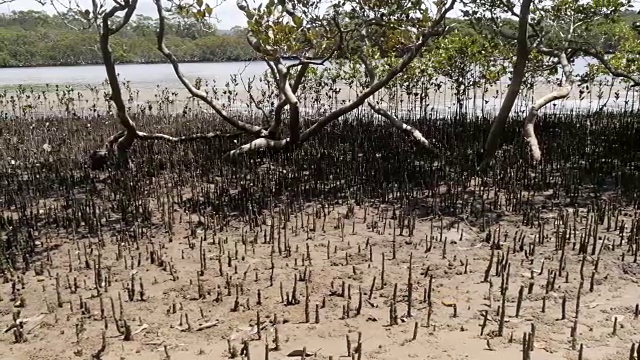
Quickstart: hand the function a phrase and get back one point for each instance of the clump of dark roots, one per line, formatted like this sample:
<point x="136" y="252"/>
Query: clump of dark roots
<point x="98" y="160"/>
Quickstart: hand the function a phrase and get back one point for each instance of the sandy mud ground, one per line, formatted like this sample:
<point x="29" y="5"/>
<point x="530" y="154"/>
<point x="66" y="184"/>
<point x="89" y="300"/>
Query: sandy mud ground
<point x="319" y="282"/>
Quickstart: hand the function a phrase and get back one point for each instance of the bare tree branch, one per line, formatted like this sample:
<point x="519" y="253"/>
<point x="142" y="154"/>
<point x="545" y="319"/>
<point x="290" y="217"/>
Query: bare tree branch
<point x="289" y="90"/>
<point x="188" y="138"/>
<point x="563" y="92"/>
<point x="613" y="71"/>
<point x="427" y="35"/>
<point x="258" y="144"/>
<point x="91" y="17"/>
<point x="292" y="100"/>
<point x="253" y="99"/>
<point x="277" y="120"/>
<point x="272" y="69"/>
<point x="131" y="8"/>
<point x="240" y="125"/>
<point x="407" y="129"/>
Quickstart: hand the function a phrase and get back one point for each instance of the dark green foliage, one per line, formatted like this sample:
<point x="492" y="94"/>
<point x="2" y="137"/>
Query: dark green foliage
<point x="32" y="38"/>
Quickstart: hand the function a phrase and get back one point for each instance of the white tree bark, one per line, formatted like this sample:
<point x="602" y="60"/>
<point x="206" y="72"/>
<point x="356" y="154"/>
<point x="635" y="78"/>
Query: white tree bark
<point x="561" y="93"/>
<point x="255" y="145"/>
<point x="407" y="129"/>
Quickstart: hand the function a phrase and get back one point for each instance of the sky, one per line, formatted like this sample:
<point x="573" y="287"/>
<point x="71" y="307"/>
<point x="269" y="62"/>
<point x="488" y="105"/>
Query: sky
<point x="228" y="14"/>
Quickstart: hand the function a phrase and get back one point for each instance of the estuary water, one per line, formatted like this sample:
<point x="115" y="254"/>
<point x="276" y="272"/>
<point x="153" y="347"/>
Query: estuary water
<point x="146" y="76"/>
<point x="146" y="80"/>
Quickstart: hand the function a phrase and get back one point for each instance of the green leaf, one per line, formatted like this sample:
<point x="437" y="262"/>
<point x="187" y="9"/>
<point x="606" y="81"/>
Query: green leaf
<point x="199" y="3"/>
<point x="208" y="9"/>
<point x="270" y="4"/>
<point x="85" y="14"/>
<point x="297" y="20"/>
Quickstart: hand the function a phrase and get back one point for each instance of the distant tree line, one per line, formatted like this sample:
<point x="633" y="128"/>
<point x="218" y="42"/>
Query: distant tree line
<point x="35" y="38"/>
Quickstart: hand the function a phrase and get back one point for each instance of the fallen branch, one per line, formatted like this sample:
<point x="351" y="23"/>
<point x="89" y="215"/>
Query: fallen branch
<point x="99" y="158"/>
<point x="407" y="129"/>
<point x="207" y="325"/>
<point x="257" y="145"/>
<point x="188" y="138"/>
<point x="142" y="328"/>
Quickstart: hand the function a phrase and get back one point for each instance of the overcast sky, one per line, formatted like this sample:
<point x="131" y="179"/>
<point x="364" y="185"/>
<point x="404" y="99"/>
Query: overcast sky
<point x="228" y="14"/>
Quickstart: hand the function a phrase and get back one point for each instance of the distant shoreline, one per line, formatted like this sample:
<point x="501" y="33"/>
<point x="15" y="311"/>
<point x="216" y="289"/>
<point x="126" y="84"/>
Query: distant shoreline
<point x="151" y="62"/>
<point x="123" y="63"/>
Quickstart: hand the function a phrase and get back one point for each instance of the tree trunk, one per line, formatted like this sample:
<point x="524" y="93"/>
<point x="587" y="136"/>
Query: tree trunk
<point x="522" y="56"/>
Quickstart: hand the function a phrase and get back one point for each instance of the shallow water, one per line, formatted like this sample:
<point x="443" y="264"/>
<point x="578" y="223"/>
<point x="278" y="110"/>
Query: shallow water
<point x="145" y="76"/>
<point x="140" y="75"/>
<point x="146" y="83"/>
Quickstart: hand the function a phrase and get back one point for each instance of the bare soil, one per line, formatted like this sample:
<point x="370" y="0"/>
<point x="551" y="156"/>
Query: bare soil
<point x="449" y="251"/>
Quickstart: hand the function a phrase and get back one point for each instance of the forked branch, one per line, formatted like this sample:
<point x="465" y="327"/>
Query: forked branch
<point x="131" y="8"/>
<point x="201" y="95"/>
<point x="282" y="73"/>
<point x="125" y="142"/>
<point x="304" y="66"/>
<point x="561" y="93"/>
<point x="277" y="117"/>
<point x="435" y="29"/>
